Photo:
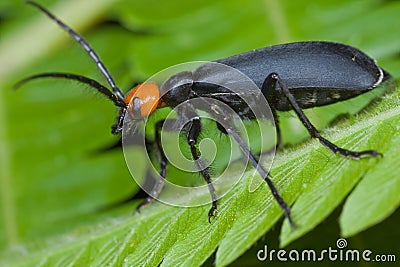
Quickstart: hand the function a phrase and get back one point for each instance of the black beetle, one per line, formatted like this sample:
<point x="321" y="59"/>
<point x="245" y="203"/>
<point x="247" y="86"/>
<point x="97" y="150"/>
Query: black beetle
<point x="290" y="76"/>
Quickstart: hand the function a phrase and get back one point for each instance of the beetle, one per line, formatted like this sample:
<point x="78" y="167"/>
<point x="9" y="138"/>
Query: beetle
<point x="292" y="76"/>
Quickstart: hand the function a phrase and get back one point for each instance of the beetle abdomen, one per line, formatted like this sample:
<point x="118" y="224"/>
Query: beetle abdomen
<point x="326" y="72"/>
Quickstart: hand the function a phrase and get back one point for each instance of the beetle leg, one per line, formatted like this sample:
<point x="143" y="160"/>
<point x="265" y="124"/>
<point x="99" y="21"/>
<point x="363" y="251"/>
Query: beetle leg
<point x="192" y="136"/>
<point x="270" y="83"/>
<point x="264" y="173"/>
<point x="118" y="126"/>
<point x="221" y="128"/>
<point x="278" y="129"/>
<point x="220" y="116"/>
<point x="268" y="90"/>
<point x="158" y="186"/>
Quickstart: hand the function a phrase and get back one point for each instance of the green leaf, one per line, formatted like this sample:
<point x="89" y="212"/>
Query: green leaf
<point x="328" y="187"/>
<point x="183" y="235"/>
<point x="377" y="194"/>
<point x="53" y="180"/>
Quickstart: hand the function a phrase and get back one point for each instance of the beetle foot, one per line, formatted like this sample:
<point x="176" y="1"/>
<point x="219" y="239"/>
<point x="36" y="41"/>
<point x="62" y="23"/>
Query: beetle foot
<point x="213" y="212"/>
<point x="147" y="201"/>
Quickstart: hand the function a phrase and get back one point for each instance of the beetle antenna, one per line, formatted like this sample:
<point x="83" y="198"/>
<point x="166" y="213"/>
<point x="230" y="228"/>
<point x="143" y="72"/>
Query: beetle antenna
<point x="82" y="79"/>
<point x="85" y="46"/>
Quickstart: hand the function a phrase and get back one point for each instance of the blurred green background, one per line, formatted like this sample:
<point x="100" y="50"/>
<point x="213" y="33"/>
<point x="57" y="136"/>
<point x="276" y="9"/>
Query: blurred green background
<point x="51" y="181"/>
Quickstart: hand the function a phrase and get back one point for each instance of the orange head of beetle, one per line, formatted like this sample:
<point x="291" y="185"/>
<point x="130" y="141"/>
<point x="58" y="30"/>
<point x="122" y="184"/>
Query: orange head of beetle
<point x="140" y="103"/>
<point x="143" y="100"/>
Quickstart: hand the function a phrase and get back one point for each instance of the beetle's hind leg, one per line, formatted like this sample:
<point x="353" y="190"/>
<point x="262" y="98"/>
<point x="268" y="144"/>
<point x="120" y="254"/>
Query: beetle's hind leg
<point x="268" y="89"/>
<point x="264" y="174"/>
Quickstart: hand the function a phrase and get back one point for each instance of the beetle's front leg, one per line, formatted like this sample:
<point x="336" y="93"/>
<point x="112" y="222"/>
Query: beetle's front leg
<point x="192" y="136"/>
<point x="118" y="126"/>
<point x="158" y="186"/>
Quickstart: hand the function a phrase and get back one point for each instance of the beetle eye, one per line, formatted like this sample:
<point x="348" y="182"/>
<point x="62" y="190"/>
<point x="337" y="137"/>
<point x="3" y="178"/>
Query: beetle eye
<point x="143" y="99"/>
<point x="135" y="108"/>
